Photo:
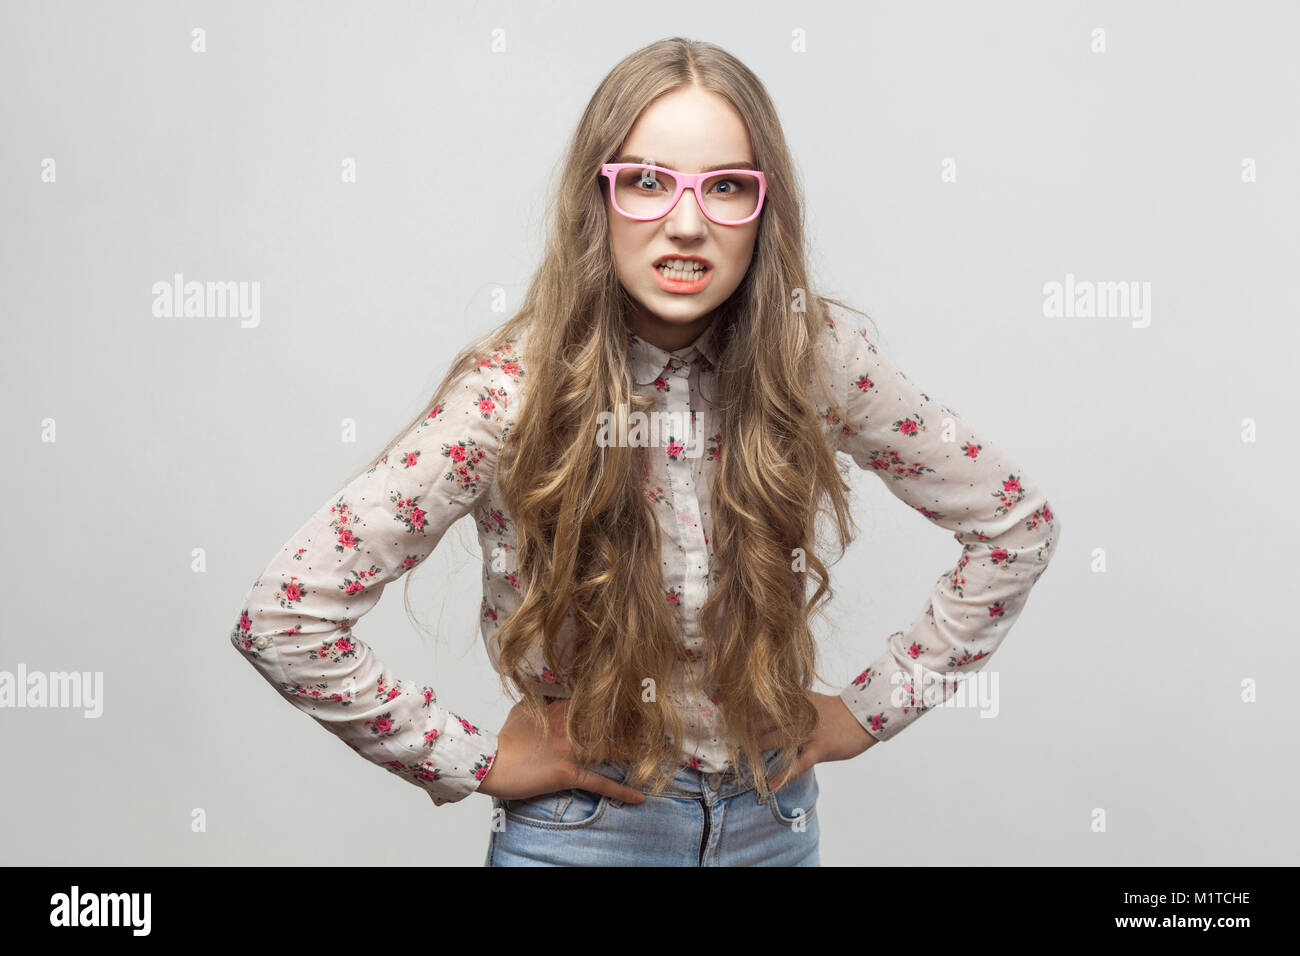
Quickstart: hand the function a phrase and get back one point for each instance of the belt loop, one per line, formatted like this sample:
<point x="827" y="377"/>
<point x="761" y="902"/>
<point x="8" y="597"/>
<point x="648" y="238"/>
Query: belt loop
<point x="614" y="802"/>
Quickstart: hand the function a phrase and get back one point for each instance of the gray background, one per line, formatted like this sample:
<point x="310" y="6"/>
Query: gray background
<point x="1119" y="690"/>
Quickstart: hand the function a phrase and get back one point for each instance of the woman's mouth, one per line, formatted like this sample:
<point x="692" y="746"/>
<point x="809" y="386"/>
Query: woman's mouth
<point x="682" y="275"/>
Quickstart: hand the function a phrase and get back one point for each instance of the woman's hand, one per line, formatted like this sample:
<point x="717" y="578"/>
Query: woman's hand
<point x="527" y="766"/>
<point x="838" y="736"/>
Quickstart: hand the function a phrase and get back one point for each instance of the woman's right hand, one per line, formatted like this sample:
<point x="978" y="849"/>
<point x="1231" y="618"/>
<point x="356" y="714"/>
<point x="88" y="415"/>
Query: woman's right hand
<point x="528" y="766"/>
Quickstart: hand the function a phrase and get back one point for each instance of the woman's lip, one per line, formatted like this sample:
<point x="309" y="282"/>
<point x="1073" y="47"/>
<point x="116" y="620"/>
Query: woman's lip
<point x="683" y="286"/>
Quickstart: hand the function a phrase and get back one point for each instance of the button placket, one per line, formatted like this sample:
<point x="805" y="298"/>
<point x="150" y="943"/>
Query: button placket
<point x="686" y="506"/>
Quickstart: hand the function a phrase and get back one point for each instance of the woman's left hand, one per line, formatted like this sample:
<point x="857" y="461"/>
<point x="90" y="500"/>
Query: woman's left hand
<point x="838" y="736"/>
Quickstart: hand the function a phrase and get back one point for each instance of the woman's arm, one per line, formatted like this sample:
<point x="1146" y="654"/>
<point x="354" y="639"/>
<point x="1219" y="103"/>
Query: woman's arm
<point x="931" y="458"/>
<point x="297" y="624"/>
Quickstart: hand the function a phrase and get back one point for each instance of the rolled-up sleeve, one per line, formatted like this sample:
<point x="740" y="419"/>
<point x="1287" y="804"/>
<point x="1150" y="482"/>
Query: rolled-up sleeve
<point x="934" y="460"/>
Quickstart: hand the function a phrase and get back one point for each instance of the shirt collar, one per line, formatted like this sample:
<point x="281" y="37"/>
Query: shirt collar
<point x="648" y="361"/>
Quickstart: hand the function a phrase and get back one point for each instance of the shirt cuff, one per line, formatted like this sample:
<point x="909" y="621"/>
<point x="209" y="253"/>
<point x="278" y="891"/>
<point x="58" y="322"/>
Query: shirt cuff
<point x="462" y="756"/>
<point x="884" y="698"/>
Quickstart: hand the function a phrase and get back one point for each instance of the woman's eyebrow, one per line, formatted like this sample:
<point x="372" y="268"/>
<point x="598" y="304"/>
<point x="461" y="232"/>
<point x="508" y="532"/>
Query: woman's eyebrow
<point x="625" y="158"/>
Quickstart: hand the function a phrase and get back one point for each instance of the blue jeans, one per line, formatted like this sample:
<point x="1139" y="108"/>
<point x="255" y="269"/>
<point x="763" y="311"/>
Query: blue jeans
<point x="702" y="819"/>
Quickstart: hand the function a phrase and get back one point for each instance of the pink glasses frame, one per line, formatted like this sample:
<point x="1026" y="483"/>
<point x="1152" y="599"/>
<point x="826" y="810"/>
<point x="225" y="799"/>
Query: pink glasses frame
<point x="685" y="181"/>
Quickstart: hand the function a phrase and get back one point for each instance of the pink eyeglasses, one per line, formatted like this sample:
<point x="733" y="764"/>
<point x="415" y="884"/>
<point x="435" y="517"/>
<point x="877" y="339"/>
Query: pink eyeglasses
<point x="729" y="197"/>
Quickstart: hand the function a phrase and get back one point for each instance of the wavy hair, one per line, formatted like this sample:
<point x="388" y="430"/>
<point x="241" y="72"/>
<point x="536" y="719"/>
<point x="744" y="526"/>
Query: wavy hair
<point x="588" y="541"/>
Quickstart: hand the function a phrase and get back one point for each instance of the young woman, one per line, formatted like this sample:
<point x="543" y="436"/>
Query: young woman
<point x="645" y="448"/>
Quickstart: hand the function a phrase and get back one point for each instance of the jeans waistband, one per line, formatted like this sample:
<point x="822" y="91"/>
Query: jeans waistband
<point x="695" y="783"/>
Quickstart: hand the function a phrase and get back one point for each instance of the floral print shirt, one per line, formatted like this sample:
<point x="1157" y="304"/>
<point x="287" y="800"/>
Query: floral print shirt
<point x="297" y="624"/>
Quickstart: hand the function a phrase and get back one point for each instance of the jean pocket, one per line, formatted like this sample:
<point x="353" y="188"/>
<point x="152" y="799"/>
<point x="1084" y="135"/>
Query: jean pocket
<point x="795" y="803"/>
<point x="563" y="809"/>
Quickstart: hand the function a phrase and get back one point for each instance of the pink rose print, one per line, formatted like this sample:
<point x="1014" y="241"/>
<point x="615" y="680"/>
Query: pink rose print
<point x="382" y="726"/>
<point x="1009" y="496"/>
<point x="493" y="521"/>
<point x="1038" y="517"/>
<point x="466" y="457"/>
<point x="332" y="651"/>
<point x="240" y="634"/>
<point x="356" y="581"/>
<point x="408" y="512"/>
<point x="469" y="728"/>
<point x="887" y="459"/>
<point x="342" y="522"/>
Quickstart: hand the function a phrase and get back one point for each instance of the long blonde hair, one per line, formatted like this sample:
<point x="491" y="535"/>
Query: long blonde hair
<point x="588" y="542"/>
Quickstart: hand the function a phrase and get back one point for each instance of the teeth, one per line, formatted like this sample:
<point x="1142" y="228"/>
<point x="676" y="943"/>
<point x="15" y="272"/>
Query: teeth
<point x="681" y="269"/>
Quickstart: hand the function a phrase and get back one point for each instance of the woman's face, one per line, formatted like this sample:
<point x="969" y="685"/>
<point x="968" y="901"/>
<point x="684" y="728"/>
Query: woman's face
<point x="688" y="130"/>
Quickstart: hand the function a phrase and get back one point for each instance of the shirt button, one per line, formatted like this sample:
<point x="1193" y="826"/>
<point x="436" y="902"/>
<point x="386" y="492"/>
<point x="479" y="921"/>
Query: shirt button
<point x="675" y="362"/>
<point x="261" y="643"/>
<point x="714" y="780"/>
